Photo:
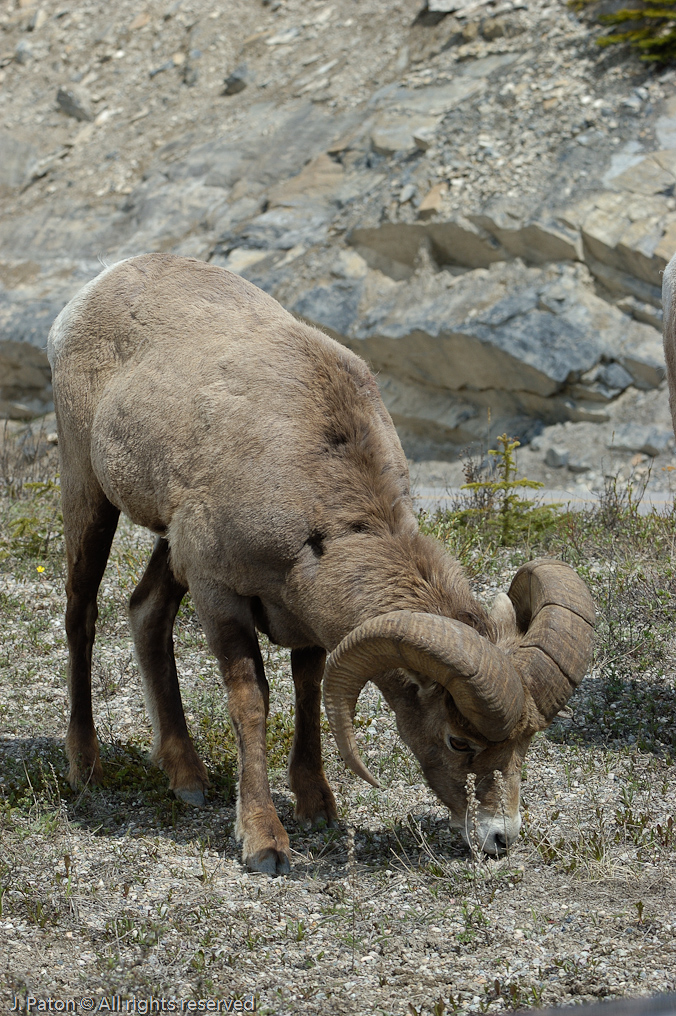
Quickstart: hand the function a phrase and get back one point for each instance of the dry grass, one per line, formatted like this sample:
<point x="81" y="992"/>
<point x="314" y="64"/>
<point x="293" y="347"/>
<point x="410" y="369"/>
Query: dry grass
<point x="122" y="889"/>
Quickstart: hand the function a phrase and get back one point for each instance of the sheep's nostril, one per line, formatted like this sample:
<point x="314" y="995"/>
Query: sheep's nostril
<point x="499" y="842"/>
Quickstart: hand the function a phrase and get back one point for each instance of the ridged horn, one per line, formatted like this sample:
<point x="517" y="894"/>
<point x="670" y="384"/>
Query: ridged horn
<point x="484" y="683"/>
<point x="555" y="613"/>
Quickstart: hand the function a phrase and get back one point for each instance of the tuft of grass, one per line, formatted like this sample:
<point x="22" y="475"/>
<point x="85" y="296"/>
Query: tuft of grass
<point x="33" y="523"/>
<point x="650" y="29"/>
<point x="34" y="782"/>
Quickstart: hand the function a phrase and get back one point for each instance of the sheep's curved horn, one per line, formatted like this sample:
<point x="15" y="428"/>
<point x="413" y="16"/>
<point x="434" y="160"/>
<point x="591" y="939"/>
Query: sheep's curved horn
<point x="484" y="684"/>
<point x="555" y="613"/>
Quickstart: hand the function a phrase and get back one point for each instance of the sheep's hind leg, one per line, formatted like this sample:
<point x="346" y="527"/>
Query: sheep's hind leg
<point x="314" y="798"/>
<point x="90" y="521"/>
<point x="152" y="611"/>
<point x="228" y="625"/>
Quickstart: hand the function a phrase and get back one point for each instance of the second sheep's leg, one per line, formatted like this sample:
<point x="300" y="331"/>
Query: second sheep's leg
<point x="314" y="798"/>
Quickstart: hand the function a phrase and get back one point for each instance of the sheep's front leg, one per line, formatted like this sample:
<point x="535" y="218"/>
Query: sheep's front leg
<point x="265" y="843"/>
<point x="232" y="638"/>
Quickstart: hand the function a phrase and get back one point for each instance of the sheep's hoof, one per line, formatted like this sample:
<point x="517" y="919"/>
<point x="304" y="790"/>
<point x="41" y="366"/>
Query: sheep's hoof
<point x="82" y="752"/>
<point x="315" y="804"/>
<point x="318" y="823"/>
<point x="324" y="822"/>
<point x="194" y="797"/>
<point x="268" y="862"/>
<point x="82" y="774"/>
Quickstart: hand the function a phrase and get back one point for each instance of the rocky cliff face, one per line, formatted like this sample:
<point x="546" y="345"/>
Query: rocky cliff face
<point x="472" y="196"/>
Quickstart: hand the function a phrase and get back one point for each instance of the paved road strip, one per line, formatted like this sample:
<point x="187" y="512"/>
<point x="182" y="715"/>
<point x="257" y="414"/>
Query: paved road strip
<point x="433" y="498"/>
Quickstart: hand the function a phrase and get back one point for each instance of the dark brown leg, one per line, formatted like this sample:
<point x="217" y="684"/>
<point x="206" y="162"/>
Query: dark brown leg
<point x="152" y="612"/>
<point x="227" y="622"/>
<point x="314" y="797"/>
<point x="89" y="526"/>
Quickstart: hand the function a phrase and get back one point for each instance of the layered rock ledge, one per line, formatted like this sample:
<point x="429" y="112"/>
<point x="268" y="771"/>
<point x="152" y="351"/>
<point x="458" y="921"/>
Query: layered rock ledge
<point x="481" y="203"/>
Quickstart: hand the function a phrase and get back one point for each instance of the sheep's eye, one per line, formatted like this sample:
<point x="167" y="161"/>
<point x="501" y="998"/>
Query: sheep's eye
<point x="455" y="744"/>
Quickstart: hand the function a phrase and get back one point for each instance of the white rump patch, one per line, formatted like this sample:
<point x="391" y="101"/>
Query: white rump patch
<point x="59" y="331"/>
<point x="668" y="283"/>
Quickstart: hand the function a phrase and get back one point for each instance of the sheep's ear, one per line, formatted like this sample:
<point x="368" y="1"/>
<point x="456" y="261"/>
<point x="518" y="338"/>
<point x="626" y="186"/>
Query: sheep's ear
<point x="503" y="616"/>
<point x="421" y="681"/>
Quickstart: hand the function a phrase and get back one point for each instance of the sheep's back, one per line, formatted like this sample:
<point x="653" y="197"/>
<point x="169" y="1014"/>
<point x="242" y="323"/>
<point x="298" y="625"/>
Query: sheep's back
<point x="212" y="410"/>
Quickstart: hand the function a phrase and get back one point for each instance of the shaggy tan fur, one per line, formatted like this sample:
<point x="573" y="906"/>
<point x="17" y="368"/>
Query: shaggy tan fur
<point x="260" y="453"/>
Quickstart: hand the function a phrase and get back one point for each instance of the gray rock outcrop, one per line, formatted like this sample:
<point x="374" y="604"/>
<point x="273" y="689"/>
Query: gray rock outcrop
<point x="482" y="219"/>
<point x="25" y="381"/>
<point x="529" y="343"/>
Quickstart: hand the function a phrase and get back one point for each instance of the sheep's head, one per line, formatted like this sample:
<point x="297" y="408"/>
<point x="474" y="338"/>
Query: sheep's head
<point x="463" y="703"/>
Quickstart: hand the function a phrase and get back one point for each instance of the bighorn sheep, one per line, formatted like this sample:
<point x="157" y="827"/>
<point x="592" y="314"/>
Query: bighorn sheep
<point x="669" y="331"/>
<point x="260" y="453"/>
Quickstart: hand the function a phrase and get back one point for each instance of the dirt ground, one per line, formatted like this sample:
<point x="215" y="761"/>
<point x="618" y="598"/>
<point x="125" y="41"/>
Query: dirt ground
<point x="122" y="890"/>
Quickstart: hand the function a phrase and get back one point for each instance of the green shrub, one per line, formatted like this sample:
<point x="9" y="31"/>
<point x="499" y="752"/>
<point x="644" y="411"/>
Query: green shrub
<point x="651" y="29"/>
<point x="493" y="503"/>
<point x="33" y="522"/>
